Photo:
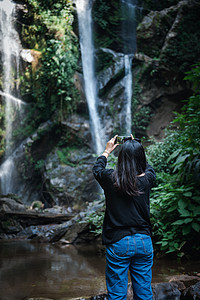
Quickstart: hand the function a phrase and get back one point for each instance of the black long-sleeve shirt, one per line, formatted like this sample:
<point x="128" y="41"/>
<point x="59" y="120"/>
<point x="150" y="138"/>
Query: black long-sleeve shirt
<point x="124" y="215"/>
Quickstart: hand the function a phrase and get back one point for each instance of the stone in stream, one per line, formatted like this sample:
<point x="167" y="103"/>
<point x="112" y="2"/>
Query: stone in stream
<point x="165" y="291"/>
<point x="193" y="292"/>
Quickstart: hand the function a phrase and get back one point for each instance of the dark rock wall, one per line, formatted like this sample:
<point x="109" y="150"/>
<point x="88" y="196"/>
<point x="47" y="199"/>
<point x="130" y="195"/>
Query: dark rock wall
<point x="168" y="43"/>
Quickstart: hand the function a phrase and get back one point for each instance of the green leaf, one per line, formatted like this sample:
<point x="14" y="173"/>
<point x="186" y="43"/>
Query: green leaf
<point x="187" y="194"/>
<point x="186" y="229"/>
<point x="176" y="246"/>
<point x="188" y="220"/>
<point x="196" y="227"/>
<point x="182" y="204"/>
<point x="181" y="158"/>
<point x="172" y="208"/>
<point x="171" y="250"/>
<point x="174" y="154"/>
<point x="184" y="212"/>
<point x="196" y="212"/>
<point x="178" y="222"/>
<point x="181" y="245"/>
<point x="164" y="243"/>
<point x="196" y="198"/>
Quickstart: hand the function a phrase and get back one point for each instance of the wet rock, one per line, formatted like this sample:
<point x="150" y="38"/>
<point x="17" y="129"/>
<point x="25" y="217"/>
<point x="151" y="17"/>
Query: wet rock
<point x="77" y="130"/>
<point x="77" y="230"/>
<point x="8" y="205"/>
<point x="82" y="106"/>
<point x="70" y="183"/>
<point x="192" y="293"/>
<point x="111" y="87"/>
<point x="165" y="291"/>
<point x="108" y="75"/>
<point x="10" y="226"/>
<point x="58" y="210"/>
<point x="97" y="297"/>
<point x="154" y="28"/>
<point x="185" y="279"/>
<point x="100" y="297"/>
<point x="39" y="233"/>
<point x="27" y="162"/>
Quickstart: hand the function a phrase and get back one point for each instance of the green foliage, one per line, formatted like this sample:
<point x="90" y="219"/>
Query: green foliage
<point x="96" y="222"/>
<point x="175" y="214"/>
<point x="187" y="160"/>
<point x="104" y="61"/>
<point x="49" y="83"/>
<point x="37" y="205"/>
<point x="69" y="155"/>
<point x="175" y="203"/>
<point x="64" y="156"/>
<point x="140" y="117"/>
<point x="156" y="5"/>
<point x="39" y="164"/>
<point x="158" y="153"/>
<point x="112" y="160"/>
<point x="107" y="16"/>
<point x="185" y="49"/>
<point x="55" y="91"/>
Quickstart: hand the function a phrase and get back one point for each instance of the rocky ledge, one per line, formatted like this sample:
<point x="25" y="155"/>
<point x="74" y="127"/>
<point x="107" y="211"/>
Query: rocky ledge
<point x="56" y="224"/>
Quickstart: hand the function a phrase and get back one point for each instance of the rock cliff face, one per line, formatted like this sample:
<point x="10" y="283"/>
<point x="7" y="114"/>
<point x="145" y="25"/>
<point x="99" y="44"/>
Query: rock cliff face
<point x="164" y="53"/>
<point x="168" y="43"/>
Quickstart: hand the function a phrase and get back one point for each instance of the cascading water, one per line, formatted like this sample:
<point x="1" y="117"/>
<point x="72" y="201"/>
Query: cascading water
<point x="129" y="37"/>
<point x="128" y="91"/>
<point x="87" y="54"/>
<point x="10" y="51"/>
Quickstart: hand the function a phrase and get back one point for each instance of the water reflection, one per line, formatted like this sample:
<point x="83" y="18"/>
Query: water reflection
<point x="28" y="269"/>
<point x="45" y="270"/>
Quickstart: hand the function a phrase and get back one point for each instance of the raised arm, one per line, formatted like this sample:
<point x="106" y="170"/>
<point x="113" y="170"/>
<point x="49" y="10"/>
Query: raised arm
<point x="100" y="165"/>
<point x="150" y="173"/>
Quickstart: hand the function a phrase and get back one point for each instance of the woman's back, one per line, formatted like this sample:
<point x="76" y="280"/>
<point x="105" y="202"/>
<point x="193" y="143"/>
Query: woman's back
<point x="124" y="214"/>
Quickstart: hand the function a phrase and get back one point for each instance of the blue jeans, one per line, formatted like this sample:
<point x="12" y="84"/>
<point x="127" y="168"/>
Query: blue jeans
<point x="134" y="253"/>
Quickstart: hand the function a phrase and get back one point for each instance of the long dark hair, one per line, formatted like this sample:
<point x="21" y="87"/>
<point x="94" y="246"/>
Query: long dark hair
<point x="131" y="162"/>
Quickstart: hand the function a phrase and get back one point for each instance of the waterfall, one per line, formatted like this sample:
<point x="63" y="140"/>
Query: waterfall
<point x="10" y="53"/>
<point x="129" y="38"/>
<point x="128" y="92"/>
<point x="87" y="55"/>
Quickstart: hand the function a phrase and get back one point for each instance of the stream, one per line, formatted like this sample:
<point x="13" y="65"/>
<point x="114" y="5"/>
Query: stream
<point x="30" y="269"/>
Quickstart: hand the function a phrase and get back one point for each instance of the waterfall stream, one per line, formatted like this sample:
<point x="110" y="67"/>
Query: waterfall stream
<point x="128" y="92"/>
<point x="129" y="37"/>
<point x="10" y="53"/>
<point x="87" y="54"/>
